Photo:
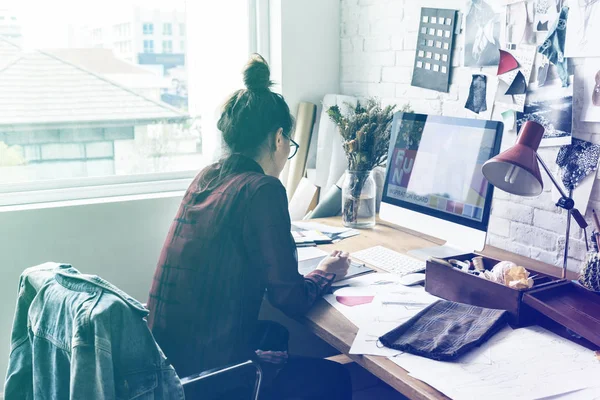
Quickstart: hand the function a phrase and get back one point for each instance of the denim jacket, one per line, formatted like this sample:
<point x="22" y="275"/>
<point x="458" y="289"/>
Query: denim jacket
<point x="78" y="337"/>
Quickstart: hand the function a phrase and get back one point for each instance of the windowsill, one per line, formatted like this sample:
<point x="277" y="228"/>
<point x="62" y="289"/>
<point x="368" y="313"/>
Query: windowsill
<point x="91" y="201"/>
<point x="87" y="190"/>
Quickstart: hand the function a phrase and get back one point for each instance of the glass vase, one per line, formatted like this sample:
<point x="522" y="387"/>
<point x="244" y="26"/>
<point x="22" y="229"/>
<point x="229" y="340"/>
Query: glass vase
<point x="359" y="193"/>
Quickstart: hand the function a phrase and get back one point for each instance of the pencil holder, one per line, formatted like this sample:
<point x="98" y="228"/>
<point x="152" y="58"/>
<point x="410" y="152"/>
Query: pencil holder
<point x="589" y="276"/>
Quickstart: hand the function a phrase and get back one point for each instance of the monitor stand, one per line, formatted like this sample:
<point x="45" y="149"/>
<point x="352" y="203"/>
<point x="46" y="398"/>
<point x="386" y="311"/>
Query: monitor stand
<point x="444" y="251"/>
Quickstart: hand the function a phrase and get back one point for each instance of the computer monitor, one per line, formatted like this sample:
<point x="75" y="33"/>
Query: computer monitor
<point x="434" y="184"/>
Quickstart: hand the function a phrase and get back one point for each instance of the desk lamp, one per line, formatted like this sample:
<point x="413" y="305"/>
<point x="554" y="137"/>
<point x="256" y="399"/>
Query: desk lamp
<point x="516" y="171"/>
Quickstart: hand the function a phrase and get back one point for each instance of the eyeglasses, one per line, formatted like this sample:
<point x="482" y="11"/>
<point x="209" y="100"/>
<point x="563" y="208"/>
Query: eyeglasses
<point x="293" y="148"/>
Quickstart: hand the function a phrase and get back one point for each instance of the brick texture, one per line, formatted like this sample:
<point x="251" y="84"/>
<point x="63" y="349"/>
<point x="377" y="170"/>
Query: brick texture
<point x="378" y="41"/>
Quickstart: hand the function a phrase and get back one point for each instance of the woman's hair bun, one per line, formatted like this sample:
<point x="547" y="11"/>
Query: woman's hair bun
<point x="257" y="74"/>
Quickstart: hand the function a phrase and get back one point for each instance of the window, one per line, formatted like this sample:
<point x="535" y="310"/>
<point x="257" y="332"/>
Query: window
<point x="167" y="29"/>
<point x="182" y="29"/>
<point x="148" y="46"/>
<point x="71" y="141"/>
<point x="148" y="28"/>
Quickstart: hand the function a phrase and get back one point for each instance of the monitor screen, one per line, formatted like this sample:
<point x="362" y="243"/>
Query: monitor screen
<point x="434" y="166"/>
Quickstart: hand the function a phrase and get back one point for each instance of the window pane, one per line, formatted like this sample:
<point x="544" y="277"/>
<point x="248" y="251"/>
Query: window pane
<point x="109" y="95"/>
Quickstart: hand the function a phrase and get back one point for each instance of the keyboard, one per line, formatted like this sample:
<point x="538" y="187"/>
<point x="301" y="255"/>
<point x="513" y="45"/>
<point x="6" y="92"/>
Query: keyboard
<point x="389" y="260"/>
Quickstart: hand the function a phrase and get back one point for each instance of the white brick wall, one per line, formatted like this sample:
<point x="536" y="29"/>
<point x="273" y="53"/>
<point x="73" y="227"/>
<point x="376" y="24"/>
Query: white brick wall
<point x="378" y="48"/>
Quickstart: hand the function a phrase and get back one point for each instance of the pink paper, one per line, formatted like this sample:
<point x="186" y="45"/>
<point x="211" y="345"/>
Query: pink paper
<point x="352" y="301"/>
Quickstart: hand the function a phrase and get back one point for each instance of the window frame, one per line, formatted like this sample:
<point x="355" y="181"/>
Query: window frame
<point x="164" y="47"/>
<point x="150" y="30"/>
<point x="150" y="46"/>
<point x="93" y="188"/>
<point x="165" y="31"/>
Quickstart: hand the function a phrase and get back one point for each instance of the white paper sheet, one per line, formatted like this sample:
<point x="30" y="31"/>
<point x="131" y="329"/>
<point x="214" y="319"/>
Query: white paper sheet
<point x="365" y="285"/>
<point x="583" y="29"/>
<point x="525" y="56"/>
<point x="314" y="226"/>
<point x="591" y="69"/>
<point x="308" y="253"/>
<point x="331" y="159"/>
<point x="527" y="363"/>
<point x="366" y="343"/>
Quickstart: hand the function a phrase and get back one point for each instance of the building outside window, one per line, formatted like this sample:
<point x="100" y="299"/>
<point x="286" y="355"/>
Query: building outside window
<point x="114" y="122"/>
<point x="148" y="28"/>
<point x="148" y="46"/>
<point x="167" y="46"/>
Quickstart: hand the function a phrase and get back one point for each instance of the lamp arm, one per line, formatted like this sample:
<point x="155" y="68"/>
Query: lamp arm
<point x="568" y="204"/>
<point x="566" y="200"/>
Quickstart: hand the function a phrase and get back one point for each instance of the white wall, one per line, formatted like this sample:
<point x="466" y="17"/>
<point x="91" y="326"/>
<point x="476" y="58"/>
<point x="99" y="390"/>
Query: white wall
<point x="118" y="241"/>
<point x="305" y="49"/>
<point x="378" y="41"/>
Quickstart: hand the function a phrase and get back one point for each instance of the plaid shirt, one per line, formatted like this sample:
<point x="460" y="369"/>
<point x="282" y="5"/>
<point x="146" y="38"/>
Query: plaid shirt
<point x="226" y="245"/>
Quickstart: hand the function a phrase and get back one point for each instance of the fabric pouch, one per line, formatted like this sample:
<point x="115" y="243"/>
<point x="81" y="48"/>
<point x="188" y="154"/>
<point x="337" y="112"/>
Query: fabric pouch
<point x="445" y="330"/>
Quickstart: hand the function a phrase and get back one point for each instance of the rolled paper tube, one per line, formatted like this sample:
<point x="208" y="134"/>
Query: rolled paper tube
<point x="478" y="263"/>
<point x="304" y="125"/>
<point x="596" y="221"/>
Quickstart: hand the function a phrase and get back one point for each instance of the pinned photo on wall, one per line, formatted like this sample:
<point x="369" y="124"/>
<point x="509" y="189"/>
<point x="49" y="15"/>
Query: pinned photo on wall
<point x="477" y="92"/>
<point x="518" y="28"/>
<point x="578" y="163"/>
<point x="513" y="82"/>
<point x="546" y="12"/>
<point x="543" y="66"/>
<point x="480" y="100"/>
<point x="482" y="34"/>
<point x="583" y="29"/>
<point x="553" y="47"/>
<point x="551" y="106"/>
<point x="435" y="43"/>
<point x="590" y="105"/>
<point x="507" y="62"/>
<point x="509" y="117"/>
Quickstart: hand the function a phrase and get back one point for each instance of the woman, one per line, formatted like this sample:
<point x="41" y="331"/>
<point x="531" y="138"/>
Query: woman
<point x="230" y="242"/>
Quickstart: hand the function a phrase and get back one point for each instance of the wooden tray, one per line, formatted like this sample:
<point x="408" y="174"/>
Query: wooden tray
<point x="571" y="305"/>
<point x="459" y="286"/>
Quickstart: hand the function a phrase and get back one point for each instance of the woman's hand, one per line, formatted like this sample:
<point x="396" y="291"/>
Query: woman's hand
<point x="336" y="263"/>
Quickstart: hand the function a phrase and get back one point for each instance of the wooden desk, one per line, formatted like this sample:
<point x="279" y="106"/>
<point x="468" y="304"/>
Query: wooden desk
<point x="331" y="326"/>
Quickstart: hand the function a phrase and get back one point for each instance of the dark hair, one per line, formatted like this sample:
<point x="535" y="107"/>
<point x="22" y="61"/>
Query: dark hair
<point x="252" y="115"/>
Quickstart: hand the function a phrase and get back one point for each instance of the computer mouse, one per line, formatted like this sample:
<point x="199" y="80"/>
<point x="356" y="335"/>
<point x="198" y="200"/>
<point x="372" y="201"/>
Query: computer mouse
<point x="412" y="279"/>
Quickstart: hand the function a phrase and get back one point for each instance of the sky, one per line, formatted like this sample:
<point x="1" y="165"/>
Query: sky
<point x="46" y="23"/>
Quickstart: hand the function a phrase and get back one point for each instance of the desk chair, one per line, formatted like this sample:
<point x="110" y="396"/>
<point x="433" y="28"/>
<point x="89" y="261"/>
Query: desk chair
<point x="214" y="372"/>
<point x="206" y="375"/>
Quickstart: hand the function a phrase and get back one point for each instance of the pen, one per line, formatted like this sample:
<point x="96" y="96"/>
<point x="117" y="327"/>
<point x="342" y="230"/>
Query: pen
<point x="587" y="246"/>
<point x="404" y="303"/>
